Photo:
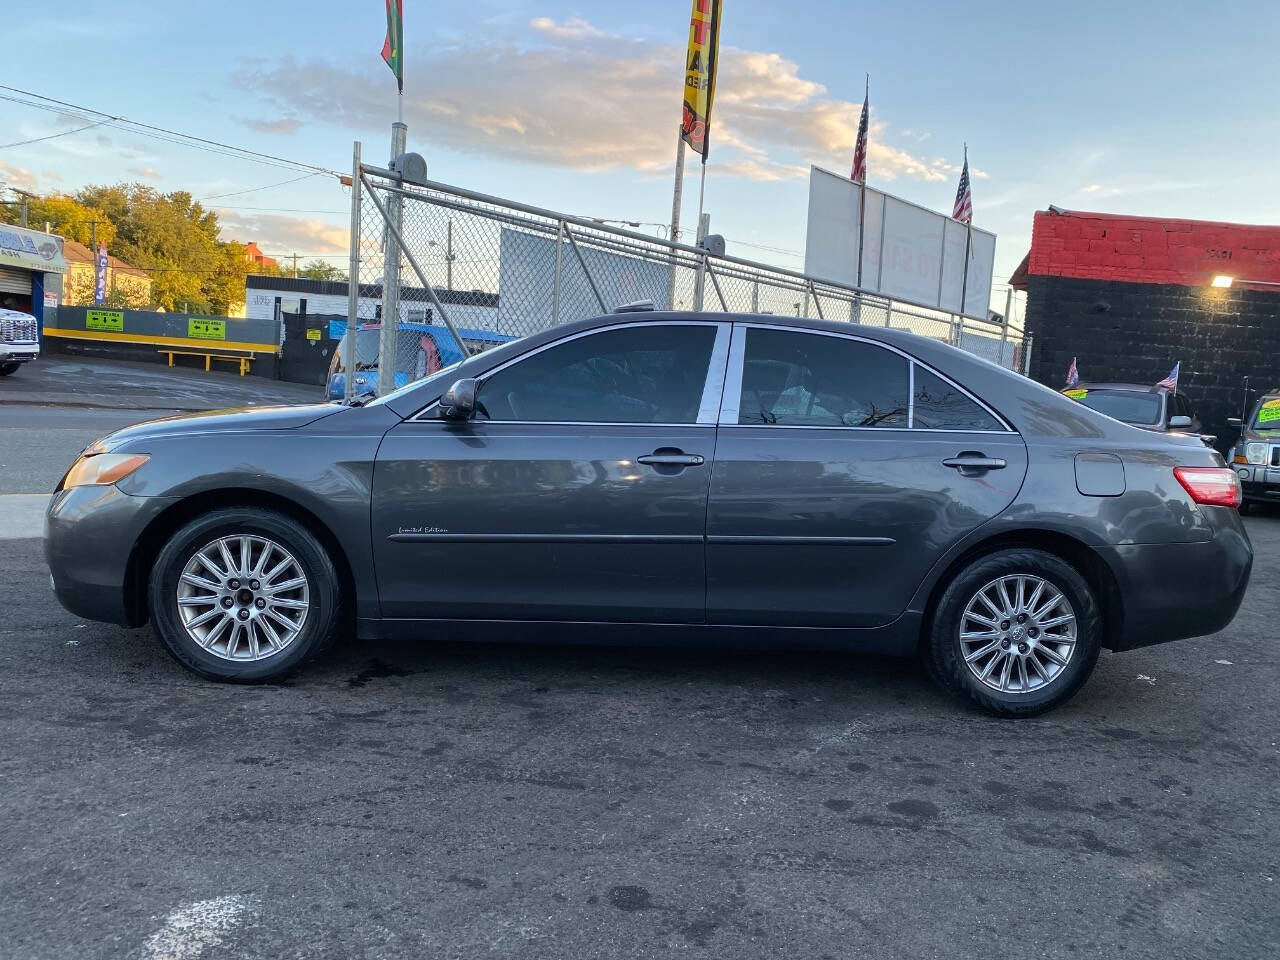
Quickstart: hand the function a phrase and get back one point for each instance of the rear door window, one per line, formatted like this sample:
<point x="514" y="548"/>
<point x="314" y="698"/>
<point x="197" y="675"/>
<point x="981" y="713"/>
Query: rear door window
<point x="939" y="405"/>
<point x="792" y="378"/>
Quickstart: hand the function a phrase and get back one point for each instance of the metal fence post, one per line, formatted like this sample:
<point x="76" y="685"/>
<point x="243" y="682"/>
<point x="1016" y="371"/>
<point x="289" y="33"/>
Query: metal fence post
<point x="699" y="281"/>
<point x="387" y="342"/>
<point x="1027" y="343"/>
<point x="353" y="281"/>
<point x="555" y="281"/>
<point x="755" y="295"/>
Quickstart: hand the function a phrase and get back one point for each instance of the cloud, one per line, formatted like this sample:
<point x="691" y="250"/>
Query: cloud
<point x="564" y="93"/>
<point x="574" y="28"/>
<point x="280" y="235"/>
<point x="146" y="173"/>
<point x="19" y="177"/>
<point x="285" y="126"/>
<point x="1091" y="188"/>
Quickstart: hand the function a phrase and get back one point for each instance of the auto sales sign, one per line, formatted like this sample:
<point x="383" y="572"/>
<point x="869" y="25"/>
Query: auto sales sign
<point x="31" y="250"/>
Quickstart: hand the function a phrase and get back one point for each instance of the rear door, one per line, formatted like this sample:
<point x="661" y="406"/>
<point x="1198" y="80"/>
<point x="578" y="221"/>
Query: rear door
<point x="844" y="470"/>
<point x="578" y="493"/>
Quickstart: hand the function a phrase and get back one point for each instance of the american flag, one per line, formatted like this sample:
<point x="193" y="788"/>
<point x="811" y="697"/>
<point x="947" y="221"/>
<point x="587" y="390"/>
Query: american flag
<point x="1171" y="381"/>
<point x="964" y="198"/>
<point x="859" y="174"/>
<point x="1073" y="375"/>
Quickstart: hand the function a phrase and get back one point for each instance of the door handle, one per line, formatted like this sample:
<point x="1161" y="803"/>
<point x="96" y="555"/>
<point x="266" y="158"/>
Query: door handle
<point x="671" y="460"/>
<point x="974" y="464"/>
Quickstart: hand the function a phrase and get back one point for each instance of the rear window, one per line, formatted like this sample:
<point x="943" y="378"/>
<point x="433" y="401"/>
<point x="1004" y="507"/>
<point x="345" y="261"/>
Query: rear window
<point x="1128" y="406"/>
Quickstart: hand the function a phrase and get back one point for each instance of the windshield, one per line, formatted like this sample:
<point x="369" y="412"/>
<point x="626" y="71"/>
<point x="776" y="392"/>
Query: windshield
<point x="1267" y="416"/>
<point x="1127" y="406"/>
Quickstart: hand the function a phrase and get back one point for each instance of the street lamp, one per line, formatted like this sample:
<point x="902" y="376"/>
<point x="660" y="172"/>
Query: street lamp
<point x="1224" y="281"/>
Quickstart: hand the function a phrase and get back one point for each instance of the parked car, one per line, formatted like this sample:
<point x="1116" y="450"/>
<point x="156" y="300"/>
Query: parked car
<point x="679" y="478"/>
<point x="1256" y="454"/>
<point x="1151" y="408"/>
<point x="423" y="349"/>
<point x="19" y="340"/>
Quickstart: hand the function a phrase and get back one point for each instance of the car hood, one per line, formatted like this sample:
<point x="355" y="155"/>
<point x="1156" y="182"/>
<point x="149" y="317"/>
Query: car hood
<point x="1260" y="436"/>
<point x="235" y="420"/>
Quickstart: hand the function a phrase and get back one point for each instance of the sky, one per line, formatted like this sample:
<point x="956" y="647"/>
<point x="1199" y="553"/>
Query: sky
<point x="1128" y="106"/>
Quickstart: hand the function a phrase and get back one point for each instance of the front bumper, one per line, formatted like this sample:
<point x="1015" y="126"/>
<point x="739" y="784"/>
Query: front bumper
<point x="18" y="351"/>
<point x="1260" y="483"/>
<point x="1171" y="591"/>
<point x="90" y="534"/>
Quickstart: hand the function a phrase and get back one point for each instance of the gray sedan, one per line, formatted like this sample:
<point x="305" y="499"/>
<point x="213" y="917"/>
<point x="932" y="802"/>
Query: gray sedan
<point x="676" y="478"/>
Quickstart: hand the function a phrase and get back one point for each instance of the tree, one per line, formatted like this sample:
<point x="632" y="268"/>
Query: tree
<point x="174" y="239"/>
<point x="66" y="217"/>
<point x="320" y="270"/>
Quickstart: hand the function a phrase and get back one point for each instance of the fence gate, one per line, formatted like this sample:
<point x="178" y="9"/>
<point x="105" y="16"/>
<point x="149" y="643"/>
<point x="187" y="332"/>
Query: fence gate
<point x="468" y="271"/>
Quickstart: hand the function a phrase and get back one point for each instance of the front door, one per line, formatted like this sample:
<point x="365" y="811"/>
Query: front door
<point x="843" y="471"/>
<point x="579" y="492"/>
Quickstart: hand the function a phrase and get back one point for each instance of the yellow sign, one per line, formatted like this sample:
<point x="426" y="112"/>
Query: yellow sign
<point x="112" y="320"/>
<point x="700" y="74"/>
<point x="202" y="328"/>
<point x="1269" y="412"/>
<point x="313" y="333"/>
<point x="1076" y="394"/>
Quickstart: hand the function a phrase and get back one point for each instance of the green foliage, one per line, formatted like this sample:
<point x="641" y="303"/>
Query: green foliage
<point x="66" y="216"/>
<point x="320" y="270"/>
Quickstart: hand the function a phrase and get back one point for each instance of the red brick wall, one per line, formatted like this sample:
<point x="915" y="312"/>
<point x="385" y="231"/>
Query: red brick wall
<point x="1099" y="246"/>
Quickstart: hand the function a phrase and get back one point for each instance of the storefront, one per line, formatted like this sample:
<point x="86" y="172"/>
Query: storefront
<point x="31" y="269"/>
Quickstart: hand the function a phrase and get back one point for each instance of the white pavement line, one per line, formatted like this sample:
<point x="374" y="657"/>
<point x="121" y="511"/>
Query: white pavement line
<point x="190" y="930"/>
<point x="22" y="515"/>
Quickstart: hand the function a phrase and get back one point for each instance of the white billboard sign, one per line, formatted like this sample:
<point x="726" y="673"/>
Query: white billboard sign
<point x="908" y="253"/>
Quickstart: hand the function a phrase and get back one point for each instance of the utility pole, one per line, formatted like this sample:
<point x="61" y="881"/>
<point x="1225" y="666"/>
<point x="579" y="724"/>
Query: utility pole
<point x="295" y="266"/>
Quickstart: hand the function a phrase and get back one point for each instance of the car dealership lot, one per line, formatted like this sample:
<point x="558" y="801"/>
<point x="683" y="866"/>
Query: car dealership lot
<point x="407" y="799"/>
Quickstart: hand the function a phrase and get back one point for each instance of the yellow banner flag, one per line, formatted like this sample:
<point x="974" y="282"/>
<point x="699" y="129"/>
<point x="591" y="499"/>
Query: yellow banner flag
<point x="700" y="74"/>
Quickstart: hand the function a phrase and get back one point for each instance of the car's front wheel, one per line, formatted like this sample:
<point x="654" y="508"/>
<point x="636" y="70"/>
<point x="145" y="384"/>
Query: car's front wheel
<point x="1017" y="632"/>
<point x="8" y="368"/>
<point x="244" y="594"/>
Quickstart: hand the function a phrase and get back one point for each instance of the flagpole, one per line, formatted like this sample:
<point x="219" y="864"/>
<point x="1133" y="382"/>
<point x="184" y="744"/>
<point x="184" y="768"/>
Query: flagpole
<point x="862" y="184"/>
<point x="968" y="246"/>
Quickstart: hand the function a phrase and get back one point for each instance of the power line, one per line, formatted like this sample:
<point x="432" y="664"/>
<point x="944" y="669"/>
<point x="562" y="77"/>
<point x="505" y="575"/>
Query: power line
<point x="237" y="193"/>
<point x="52" y="136"/>
<point x="163" y="133"/>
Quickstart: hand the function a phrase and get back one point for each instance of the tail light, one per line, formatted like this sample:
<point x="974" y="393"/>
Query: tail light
<point x="1210" y="486"/>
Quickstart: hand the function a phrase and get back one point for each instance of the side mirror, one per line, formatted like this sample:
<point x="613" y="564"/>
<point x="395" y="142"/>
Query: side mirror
<point x="459" y="401"/>
<point x="1179" y="423"/>
<point x="1235" y="422"/>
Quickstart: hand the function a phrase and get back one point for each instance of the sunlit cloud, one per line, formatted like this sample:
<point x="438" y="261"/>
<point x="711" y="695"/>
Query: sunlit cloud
<point x="285" y="126"/>
<point x="522" y="96"/>
<point x="279" y="234"/>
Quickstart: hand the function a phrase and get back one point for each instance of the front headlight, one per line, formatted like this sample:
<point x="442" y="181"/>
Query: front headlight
<point x="1255" y="453"/>
<point x="103" y="468"/>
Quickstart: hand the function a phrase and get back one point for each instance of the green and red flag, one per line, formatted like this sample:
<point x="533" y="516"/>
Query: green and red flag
<point x="393" y="46"/>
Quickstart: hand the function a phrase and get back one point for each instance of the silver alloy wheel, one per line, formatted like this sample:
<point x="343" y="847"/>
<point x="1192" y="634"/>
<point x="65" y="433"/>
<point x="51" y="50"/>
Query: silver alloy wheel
<point x="1018" y="633"/>
<point x="243" y="598"/>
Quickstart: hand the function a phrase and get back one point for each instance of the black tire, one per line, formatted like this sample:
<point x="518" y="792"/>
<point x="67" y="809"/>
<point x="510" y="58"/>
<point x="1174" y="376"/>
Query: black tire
<point x="323" y="615"/>
<point x="943" y="654"/>
<point x="8" y="368"/>
<point x="1248" y="508"/>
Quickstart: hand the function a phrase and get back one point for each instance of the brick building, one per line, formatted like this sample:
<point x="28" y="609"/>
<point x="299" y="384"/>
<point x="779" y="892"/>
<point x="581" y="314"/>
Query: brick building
<point x="1130" y="296"/>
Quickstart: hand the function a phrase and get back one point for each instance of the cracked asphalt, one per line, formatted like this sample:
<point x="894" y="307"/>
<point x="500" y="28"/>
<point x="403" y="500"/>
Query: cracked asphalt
<point x="470" y="800"/>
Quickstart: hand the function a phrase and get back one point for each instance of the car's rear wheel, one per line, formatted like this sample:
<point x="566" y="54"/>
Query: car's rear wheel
<point x="244" y="594"/>
<point x="1017" y="632"/>
<point x="8" y="368"/>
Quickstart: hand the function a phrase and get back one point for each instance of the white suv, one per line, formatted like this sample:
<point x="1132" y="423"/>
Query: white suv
<point x="18" y="343"/>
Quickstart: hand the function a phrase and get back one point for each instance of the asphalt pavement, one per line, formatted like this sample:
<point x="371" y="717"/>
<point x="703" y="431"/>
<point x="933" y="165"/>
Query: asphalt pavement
<point x="471" y="800"/>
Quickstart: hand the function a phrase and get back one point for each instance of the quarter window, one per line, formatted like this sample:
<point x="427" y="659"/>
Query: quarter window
<point x="651" y="373"/>
<point x="805" y="379"/>
<point x="937" y="405"/>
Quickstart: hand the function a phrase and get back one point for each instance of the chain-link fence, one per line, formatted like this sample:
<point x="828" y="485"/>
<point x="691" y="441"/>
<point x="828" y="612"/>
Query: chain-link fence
<point x="491" y="270"/>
